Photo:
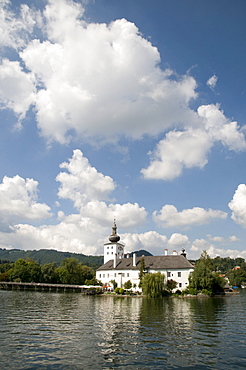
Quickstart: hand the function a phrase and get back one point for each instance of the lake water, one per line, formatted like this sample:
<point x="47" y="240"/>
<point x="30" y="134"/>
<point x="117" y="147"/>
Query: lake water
<point x="42" y="330"/>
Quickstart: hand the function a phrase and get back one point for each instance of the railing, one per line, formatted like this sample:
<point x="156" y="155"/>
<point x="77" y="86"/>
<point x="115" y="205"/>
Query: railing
<point x="50" y="287"/>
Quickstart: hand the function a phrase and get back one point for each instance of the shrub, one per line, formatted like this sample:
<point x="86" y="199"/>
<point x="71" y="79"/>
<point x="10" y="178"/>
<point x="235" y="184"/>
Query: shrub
<point x="117" y="290"/>
<point x="207" y="292"/>
<point x="189" y="290"/>
<point x="121" y="290"/>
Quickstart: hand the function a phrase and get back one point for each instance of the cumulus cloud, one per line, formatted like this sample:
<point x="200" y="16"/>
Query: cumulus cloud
<point x="169" y="216"/>
<point x="16" y="88"/>
<point x="199" y="245"/>
<point x="14" y="29"/>
<point x="87" y="188"/>
<point x="18" y="201"/>
<point x="99" y="80"/>
<point x="238" y="205"/>
<point x="82" y="182"/>
<point x="223" y="240"/>
<point x="74" y="233"/>
<point x="179" y="149"/>
<point x="151" y="241"/>
<point x="190" y="148"/>
<point x="212" y="81"/>
<point x="178" y="240"/>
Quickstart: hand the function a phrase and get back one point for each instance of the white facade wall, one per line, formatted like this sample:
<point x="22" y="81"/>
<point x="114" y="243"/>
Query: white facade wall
<point x="121" y="276"/>
<point x="112" y="249"/>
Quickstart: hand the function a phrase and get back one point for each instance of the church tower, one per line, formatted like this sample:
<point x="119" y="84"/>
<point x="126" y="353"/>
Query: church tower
<point x="113" y="246"/>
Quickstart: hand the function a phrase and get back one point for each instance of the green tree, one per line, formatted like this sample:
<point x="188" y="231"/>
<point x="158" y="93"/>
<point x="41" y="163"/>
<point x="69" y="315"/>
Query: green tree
<point x="49" y="274"/>
<point x="93" y="281"/>
<point x="26" y="271"/>
<point x="128" y="284"/>
<point x="114" y="283"/>
<point x="171" y="284"/>
<point x="203" y="276"/>
<point x="141" y="271"/>
<point x="153" y="284"/>
<point x="73" y="272"/>
<point x="237" y="277"/>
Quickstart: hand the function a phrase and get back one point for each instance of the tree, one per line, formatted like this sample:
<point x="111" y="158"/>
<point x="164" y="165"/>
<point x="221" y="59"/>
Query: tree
<point x="49" y="274"/>
<point x="73" y="272"/>
<point x="237" y="277"/>
<point x="171" y="284"/>
<point x="141" y="271"/>
<point x="114" y="283"/>
<point x="153" y="284"/>
<point x="128" y="284"/>
<point x="203" y="276"/>
<point x="26" y="271"/>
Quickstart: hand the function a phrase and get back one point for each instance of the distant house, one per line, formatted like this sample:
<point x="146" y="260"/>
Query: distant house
<point x="122" y="268"/>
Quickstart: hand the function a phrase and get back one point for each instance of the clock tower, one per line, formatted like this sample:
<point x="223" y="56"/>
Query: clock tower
<point x="113" y="246"/>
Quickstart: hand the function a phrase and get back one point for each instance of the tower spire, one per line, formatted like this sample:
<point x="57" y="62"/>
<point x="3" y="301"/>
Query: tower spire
<point x="114" y="238"/>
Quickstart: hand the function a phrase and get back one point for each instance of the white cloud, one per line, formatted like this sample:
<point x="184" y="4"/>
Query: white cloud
<point x="83" y="182"/>
<point x="16" y="88"/>
<point x="223" y="240"/>
<point x="179" y="149"/>
<point x="190" y="148"/>
<point x="169" y="216"/>
<point x="199" y="245"/>
<point x="178" y="239"/>
<point x="14" y="29"/>
<point x="212" y="81"/>
<point x="18" y="201"/>
<point x="220" y="128"/>
<point x="74" y="233"/>
<point x="150" y="241"/>
<point x="238" y="205"/>
<point x="87" y="188"/>
<point x="100" y="80"/>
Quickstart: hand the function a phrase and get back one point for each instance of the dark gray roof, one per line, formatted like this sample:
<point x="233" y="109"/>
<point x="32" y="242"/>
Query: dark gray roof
<point x="151" y="262"/>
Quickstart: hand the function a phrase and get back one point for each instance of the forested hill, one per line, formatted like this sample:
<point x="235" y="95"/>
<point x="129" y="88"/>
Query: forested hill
<point x="43" y="256"/>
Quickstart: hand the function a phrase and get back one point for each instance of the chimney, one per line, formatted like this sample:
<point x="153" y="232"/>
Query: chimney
<point x="175" y="253"/>
<point x="134" y="260"/>
<point x="115" y="258"/>
<point x="183" y="253"/>
<point x="165" y="252"/>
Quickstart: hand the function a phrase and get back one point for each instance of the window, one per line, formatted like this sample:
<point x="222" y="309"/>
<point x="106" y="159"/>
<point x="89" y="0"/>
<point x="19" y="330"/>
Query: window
<point x="168" y="274"/>
<point x="108" y="275"/>
<point x="100" y="275"/>
<point x="112" y="252"/>
<point x="107" y="252"/>
<point x="107" y="247"/>
<point x="179" y="274"/>
<point x="104" y="275"/>
<point x="180" y="285"/>
<point x="127" y="274"/>
<point x="112" y="247"/>
<point x="123" y="275"/>
<point x="115" y="275"/>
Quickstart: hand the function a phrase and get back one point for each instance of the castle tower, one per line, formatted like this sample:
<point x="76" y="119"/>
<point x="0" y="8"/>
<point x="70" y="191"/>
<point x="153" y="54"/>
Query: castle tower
<point x="113" y="246"/>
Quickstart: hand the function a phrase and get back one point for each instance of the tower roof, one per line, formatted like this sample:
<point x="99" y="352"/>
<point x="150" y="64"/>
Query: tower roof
<point x="114" y="238"/>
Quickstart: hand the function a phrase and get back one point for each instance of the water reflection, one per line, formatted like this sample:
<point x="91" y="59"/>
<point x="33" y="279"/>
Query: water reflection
<point x="71" y="331"/>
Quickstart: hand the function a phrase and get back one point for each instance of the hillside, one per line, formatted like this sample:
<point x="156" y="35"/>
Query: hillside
<point x="43" y="256"/>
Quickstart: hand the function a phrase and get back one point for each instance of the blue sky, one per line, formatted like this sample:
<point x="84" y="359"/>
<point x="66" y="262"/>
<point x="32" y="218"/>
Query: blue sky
<point x="133" y="110"/>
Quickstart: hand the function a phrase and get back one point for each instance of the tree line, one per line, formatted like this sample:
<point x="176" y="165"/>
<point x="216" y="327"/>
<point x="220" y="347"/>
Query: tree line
<point x="71" y="271"/>
<point x="206" y="277"/>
